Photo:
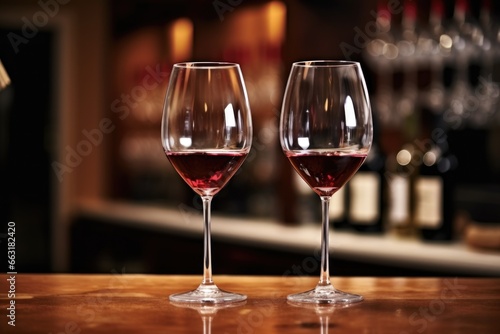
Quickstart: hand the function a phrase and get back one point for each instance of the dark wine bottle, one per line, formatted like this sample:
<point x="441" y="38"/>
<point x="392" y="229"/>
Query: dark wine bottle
<point x="400" y="171"/>
<point x="366" y="194"/>
<point x="434" y="204"/>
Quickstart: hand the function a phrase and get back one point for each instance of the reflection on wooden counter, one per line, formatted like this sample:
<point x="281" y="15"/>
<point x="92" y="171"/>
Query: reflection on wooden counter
<point x="124" y="303"/>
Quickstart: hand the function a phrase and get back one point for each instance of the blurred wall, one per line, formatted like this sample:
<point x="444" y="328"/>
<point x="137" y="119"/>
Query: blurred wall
<point x="78" y="80"/>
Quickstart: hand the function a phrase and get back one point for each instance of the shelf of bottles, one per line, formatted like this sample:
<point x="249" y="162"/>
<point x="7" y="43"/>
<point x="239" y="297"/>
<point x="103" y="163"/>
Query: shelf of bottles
<point x="434" y="69"/>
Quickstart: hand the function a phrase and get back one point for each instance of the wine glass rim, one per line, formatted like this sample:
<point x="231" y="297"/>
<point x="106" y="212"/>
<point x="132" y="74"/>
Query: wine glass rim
<point x="206" y="64"/>
<point x="325" y="63"/>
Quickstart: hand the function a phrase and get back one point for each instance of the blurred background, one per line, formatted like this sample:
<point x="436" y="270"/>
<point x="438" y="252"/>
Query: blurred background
<point x="90" y="190"/>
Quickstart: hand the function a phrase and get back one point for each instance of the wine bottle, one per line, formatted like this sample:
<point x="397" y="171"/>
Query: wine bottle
<point x="434" y="205"/>
<point x="491" y="30"/>
<point x="366" y="195"/>
<point x="379" y="55"/>
<point x="405" y="114"/>
<point x="435" y="45"/>
<point x="400" y="171"/>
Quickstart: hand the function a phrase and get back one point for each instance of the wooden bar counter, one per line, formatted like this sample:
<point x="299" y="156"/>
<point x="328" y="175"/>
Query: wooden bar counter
<point x="123" y="303"/>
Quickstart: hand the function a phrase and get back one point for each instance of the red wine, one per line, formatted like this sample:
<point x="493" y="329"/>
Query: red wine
<point x="206" y="172"/>
<point x="326" y="172"/>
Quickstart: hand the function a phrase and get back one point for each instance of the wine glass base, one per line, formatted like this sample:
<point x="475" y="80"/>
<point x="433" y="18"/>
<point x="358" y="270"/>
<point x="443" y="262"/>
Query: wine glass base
<point x="325" y="295"/>
<point x="207" y="294"/>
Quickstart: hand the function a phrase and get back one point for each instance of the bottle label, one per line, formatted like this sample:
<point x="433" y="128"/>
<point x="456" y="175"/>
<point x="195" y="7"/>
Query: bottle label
<point x="428" y="206"/>
<point x="364" y="198"/>
<point x="399" y="200"/>
<point x="337" y="204"/>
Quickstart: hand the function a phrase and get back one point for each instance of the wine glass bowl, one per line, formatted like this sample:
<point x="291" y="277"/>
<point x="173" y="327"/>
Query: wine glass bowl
<point x="326" y="133"/>
<point x="206" y="134"/>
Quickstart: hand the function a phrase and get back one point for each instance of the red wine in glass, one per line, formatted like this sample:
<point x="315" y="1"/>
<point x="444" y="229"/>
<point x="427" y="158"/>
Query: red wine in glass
<point x="206" y="135"/>
<point x="324" y="172"/>
<point x="206" y="172"/>
<point x="326" y="132"/>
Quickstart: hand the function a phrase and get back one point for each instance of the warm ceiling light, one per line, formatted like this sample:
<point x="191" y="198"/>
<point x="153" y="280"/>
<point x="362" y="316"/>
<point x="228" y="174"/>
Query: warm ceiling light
<point x="181" y="39"/>
<point x="276" y="15"/>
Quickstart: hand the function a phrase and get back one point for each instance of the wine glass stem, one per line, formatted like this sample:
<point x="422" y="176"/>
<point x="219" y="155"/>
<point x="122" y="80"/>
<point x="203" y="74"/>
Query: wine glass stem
<point x="323" y="320"/>
<point x="325" y="267"/>
<point x="207" y="324"/>
<point x="207" y="249"/>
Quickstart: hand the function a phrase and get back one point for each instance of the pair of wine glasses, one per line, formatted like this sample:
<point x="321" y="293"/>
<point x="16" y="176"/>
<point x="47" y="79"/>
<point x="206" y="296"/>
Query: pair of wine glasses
<point x="325" y="131"/>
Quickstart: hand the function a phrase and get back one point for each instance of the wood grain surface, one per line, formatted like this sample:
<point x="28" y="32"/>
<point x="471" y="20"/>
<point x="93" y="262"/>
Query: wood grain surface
<point x="123" y="303"/>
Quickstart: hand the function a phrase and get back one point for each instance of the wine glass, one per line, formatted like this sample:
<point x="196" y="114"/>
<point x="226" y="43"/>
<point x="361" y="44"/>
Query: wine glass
<point x="326" y="133"/>
<point x="206" y="134"/>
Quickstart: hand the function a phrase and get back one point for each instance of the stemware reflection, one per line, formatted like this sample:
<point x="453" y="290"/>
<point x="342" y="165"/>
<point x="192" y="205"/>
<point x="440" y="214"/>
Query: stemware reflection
<point x="207" y="311"/>
<point x="323" y="311"/>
